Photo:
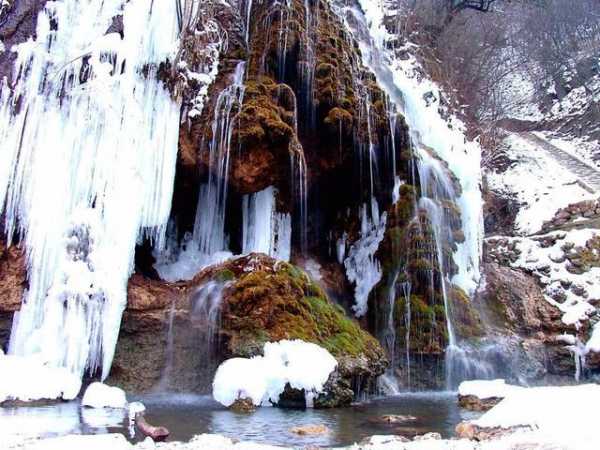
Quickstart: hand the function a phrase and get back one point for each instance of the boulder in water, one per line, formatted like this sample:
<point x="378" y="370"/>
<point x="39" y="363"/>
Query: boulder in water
<point x="156" y="433"/>
<point x="243" y="405"/>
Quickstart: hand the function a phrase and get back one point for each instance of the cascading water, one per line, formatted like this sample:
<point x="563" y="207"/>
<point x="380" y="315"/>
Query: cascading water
<point x="309" y="63"/>
<point x="388" y="384"/>
<point x="168" y="369"/>
<point x="89" y="142"/>
<point x="247" y="14"/>
<point x="299" y="192"/>
<point x="429" y="129"/>
<point x="193" y="343"/>
<point x="206" y="313"/>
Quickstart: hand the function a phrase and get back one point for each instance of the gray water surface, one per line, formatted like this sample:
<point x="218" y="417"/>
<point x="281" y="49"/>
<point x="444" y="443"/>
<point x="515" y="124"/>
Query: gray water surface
<point x="189" y="415"/>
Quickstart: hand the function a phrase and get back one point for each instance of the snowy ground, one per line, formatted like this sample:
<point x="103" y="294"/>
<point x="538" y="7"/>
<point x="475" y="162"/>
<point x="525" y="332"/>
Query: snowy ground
<point x="581" y="148"/>
<point x="540" y="184"/>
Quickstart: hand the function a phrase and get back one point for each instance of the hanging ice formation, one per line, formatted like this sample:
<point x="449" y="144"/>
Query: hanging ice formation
<point x="264" y="229"/>
<point x="88" y="146"/>
<point x="362" y="268"/>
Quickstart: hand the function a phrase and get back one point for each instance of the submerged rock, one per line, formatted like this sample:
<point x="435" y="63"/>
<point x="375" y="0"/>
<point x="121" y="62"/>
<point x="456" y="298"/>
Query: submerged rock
<point x="392" y="419"/>
<point x="310" y="430"/>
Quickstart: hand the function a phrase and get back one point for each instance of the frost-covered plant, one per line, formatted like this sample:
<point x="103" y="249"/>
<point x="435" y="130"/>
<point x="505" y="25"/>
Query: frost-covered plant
<point x="202" y="39"/>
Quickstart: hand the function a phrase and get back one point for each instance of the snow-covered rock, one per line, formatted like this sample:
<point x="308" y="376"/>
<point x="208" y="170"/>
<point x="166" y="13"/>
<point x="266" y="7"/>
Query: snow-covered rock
<point x="100" y="395"/>
<point x="567" y="413"/>
<point x="482" y="395"/>
<point x="262" y="379"/>
<point x="28" y="378"/>
<point x="486" y="388"/>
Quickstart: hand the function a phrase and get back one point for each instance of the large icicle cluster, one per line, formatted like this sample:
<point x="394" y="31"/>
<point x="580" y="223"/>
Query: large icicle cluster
<point x="264" y="230"/>
<point x="88" y="146"/>
<point x="362" y="267"/>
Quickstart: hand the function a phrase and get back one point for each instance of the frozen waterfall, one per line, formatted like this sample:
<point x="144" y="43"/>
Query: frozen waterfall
<point x="88" y="147"/>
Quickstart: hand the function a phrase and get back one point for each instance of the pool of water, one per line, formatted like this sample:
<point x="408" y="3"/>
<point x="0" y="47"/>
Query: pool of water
<point x="188" y="415"/>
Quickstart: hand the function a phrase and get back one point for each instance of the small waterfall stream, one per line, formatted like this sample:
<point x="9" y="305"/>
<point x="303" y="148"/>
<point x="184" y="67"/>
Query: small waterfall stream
<point x="198" y="336"/>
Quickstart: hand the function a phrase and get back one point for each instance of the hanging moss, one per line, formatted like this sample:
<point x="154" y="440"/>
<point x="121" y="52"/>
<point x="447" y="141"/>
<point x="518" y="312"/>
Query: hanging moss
<point x="466" y="319"/>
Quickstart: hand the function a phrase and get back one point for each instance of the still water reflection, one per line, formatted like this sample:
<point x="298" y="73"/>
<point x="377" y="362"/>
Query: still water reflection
<point x="187" y="415"/>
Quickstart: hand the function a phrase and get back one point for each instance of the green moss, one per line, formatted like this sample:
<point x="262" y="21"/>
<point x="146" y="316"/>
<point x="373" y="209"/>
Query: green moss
<point x="224" y="275"/>
<point x="465" y="317"/>
<point x="280" y="301"/>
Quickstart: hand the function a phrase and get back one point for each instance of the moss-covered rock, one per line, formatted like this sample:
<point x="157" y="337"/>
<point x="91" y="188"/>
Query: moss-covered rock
<point x="164" y="342"/>
<point x="268" y="300"/>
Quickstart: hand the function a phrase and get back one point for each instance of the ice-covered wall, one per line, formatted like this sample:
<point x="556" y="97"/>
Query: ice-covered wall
<point x="88" y="143"/>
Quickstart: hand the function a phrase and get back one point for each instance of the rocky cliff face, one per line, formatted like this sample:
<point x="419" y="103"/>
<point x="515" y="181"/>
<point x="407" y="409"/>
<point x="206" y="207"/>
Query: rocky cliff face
<point x="13" y="282"/>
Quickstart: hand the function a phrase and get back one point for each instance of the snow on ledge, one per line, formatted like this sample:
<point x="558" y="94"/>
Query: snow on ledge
<point x="100" y="395"/>
<point x="262" y="379"/>
<point x="568" y="410"/>
<point x="484" y="389"/>
<point x="28" y="379"/>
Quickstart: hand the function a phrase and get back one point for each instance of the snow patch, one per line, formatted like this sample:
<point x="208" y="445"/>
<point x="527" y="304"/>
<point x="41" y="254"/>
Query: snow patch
<point x="100" y="395"/>
<point x="262" y="379"/>
<point x="28" y="378"/>
<point x="542" y="186"/>
<point x="567" y="411"/>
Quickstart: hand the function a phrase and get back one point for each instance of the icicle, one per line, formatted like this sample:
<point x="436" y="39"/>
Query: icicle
<point x="341" y="248"/>
<point x="209" y="229"/>
<point x="87" y="126"/>
<point x="209" y="243"/>
<point x="362" y="268"/>
<point x="264" y="229"/>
